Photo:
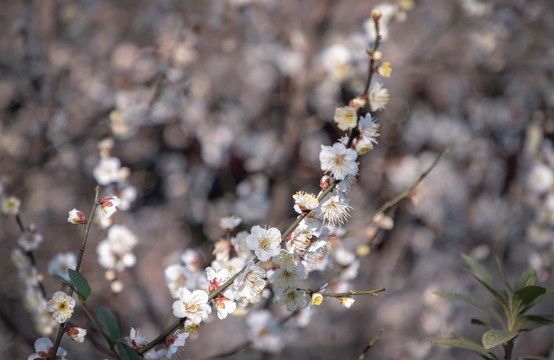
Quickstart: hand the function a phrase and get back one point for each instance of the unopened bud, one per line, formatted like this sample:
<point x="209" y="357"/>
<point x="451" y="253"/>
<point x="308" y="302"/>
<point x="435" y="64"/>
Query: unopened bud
<point x="324" y="182"/>
<point x="376" y="15"/>
<point x="377" y="55"/>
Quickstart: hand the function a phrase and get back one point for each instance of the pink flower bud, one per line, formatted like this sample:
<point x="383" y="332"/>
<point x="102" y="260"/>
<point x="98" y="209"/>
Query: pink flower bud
<point x="76" y="217"/>
<point x="324" y="182"/>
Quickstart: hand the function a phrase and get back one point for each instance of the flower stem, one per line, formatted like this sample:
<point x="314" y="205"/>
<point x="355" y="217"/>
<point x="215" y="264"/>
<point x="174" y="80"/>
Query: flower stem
<point x="345" y="294"/>
<point x="77" y="267"/>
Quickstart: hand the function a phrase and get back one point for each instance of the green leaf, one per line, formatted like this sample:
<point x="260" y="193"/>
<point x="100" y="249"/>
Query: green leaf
<point x="525" y="296"/>
<point x="497" y="294"/>
<point x="93" y="325"/>
<point x="494" y="337"/>
<point x="64" y="281"/>
<point x="503" y="274"/>
<point x="127" y="353"/>
<point x="81" y="285"/>
<point x="479" y="322"/>
<point x="480" y="270"/>
<point x="526" y="278"/>
<point x="109" y="322"/>
<point x="472" y="301"/>
<point x="532" y="358"/>
<point x="464" y="343"/>
<point x="546" y="295"/>
<point x="530" y="322"/>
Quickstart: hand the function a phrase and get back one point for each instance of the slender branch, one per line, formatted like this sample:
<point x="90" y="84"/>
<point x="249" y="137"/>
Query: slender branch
<point x="345" y="294"/>
<point x="398" y="198"/>
<point x="181" y="321"/>
<point x="77" y="267"/>
<point x="370" y="69"/>
<point x="91" y="318"/>
<point x="30" y="255"/>
<point x="87" y="227"/>
<point x="369" y="345"/>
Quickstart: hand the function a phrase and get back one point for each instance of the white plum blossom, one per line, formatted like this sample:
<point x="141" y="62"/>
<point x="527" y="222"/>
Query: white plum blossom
<point x="10" y="205"/>
<point x="61" y="263"/>
<point x="137" y="342"/>
<point x="347" y="302"/>
<point x="29" y="240"/>
<point x="378" y="96"/>
<point x="334" y="208"/>
<point x="287" y="260"/>
<point x="109" y="205"/>
<point x="304" y="202"/>
<point x="44" y="348"/>
<point x="127" y="194"/>
<point x="229" y="223"/>
<point x="346" y="118"/>
<point x="368" y="134"/>
<point x="284" y="279"/>
<point x="192" y="305"/>
<point x="224" y="302"/>
<point x="251" y="282"/>
<point x="264" y="242"/>
<point x="191" y="259"/>
<point x="291" y="298"/>
<point x="61" y="306"/>
<point x="239" y="245"/>
<point x="178" y="276"/>
<point x="172" y="344"/>
<point x="115" y="252"/>
<point x="107" y="170"/>
<point x="264" y="331"/>
<point x="338" y="160"/>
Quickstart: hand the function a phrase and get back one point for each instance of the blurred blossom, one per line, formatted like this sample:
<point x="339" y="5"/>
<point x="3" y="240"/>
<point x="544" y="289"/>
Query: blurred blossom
<point x="60" y="264"/>
<point x="264" y="331"/>
<point x="29" y="240"/>
<point x="107" y="170"/>
<point x="253" y="202"/>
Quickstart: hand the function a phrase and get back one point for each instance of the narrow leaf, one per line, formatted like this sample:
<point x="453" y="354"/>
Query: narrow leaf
<point x="503" y="274"/>
<point x="64" y="281"/>
<point x="479" y="322"/>
<point x="530" y="322"/>
<point x="464" y="343"/>
<point x="81" y="284"/>
<point x="546" y="295"/>
<point x="497" y="294"/>
<point x="480" y="270"/>
<point x="109" y="322"/>
<point x="525" y="296"/>
<point x="472" y="301"/>
<point x="494" y="337"/>
<point x="127" y="353"/>
<point x="526" y="278"/>
<point x="532" y="358"/>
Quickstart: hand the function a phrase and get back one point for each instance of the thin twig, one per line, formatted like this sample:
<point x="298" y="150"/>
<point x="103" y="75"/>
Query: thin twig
<point x="77" y="267"/>
<point x="398" y="198"/>
<point x="370" y="345"/>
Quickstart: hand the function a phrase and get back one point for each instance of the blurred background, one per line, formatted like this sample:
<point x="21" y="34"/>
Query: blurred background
<point x="219" y="108"/>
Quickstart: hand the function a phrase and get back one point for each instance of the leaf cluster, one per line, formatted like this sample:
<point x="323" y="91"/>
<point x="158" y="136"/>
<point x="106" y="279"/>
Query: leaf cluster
<point x="515" y="302"/>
